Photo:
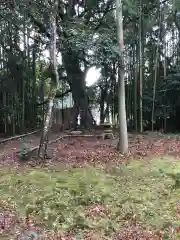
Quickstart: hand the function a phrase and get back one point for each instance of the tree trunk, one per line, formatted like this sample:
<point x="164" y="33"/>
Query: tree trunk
<point x="136" y="74"/>
<point x="102" y="115"/>
<point x="165" y="75"/>
<point x="141" y="66"/>
<point x="123" y="136"/>
<point x="102" y="103"/>
<point x="155" y="75"/>
<point x="34" y="110"/>
<point x="54" y="81"/>
<point x="154" y="87"/>
<point x="77" y="84"/>
<point x="113" y="94"/>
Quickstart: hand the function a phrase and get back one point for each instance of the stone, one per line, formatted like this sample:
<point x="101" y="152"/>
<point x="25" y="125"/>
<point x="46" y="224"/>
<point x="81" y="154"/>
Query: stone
<point x="107" y="135"/>
<point x="76" y="132"/>
<point x="108" y="131"/>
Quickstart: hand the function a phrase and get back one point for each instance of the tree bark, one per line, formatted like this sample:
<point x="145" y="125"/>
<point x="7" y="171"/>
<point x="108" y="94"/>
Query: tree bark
<point x="77" y="85"/>
<point x="136" y="74"/>
<point x="123" y="136"/>
<point x="103" y="98"/>
<point x="165" y="75"/>
<point x="113" y="93"/>
<point x="54" y="81"/>
<point x="140" y="67"/>
<point x="155" y="75"/>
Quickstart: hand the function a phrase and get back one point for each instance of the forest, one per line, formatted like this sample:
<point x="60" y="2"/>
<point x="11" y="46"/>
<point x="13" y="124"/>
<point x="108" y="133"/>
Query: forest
<point x="73" y="183"/>
<point x="86" y="36"/>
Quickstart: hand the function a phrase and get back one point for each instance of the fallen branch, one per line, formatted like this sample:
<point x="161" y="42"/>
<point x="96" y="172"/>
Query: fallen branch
<point x="19" y="136"/>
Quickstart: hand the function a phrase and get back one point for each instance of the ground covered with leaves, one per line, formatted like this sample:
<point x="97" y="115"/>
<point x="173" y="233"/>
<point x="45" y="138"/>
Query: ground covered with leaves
<point x="88" y="191"/>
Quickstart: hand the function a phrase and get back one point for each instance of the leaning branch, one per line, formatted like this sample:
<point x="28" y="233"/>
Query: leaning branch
<point x="41" y="27"/>
<point x="57" y="96"/>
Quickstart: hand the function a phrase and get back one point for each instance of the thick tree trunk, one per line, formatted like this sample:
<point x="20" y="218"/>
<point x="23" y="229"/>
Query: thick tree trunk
<point x="102" y="102"/>
<point x="123" y="136"/>
<point x="77" y="84"/>
<point x="102" y="115"/>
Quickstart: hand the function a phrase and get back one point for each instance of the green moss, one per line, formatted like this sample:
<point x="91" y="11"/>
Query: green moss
<point x="60" y="200"/>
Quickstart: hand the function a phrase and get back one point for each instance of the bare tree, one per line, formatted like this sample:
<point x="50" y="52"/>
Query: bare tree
<point x="123" y="136"/>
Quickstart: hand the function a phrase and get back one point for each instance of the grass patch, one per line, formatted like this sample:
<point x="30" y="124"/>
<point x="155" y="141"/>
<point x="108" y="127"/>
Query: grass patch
<point x="70" y="199"/>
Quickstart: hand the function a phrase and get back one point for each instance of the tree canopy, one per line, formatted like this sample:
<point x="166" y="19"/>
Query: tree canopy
<point x="86" y="37"/>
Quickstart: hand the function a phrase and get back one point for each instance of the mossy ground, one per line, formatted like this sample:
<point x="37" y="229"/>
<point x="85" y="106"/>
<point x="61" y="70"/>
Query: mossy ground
<point x="67" y="200"/>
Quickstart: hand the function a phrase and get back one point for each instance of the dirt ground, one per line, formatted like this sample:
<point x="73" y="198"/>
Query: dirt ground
<point x="80" y="151"/>
<point x="83" y="151"/>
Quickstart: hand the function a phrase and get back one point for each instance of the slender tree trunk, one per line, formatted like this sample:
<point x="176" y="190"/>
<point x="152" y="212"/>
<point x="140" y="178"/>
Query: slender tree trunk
<point x="34" y="87"/>
<point x="155" y="77"/>
<point x="154" y="88"/>
<point x="24" y="81"/>
<point x="123" y="136"/>
<point x="141" y="66"/>
<point x="113" y="92"/>
<point x="136" y="74"/>
<point x="54" y="81"/>
<point x="165" y="75"/>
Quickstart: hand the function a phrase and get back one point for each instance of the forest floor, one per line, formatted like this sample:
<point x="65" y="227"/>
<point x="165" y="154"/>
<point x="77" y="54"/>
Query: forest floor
<point x="87" y="190"/>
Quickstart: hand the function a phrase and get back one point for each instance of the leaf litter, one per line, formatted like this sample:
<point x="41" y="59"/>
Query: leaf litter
<point x="82" y="152"/>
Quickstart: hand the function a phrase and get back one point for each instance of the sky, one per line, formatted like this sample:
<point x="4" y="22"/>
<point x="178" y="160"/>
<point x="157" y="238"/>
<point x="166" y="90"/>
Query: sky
<point x="92" y="76"/>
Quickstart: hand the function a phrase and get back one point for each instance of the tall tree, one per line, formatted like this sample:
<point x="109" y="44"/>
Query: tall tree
<point x="123" y="136"/>
<point x="156" y="72"/>
<point x="140" y="65"/>
<point x="54" y="78"/>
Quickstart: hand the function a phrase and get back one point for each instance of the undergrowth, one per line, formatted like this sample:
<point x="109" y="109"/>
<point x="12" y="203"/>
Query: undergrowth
<point x="66" y="200"/>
